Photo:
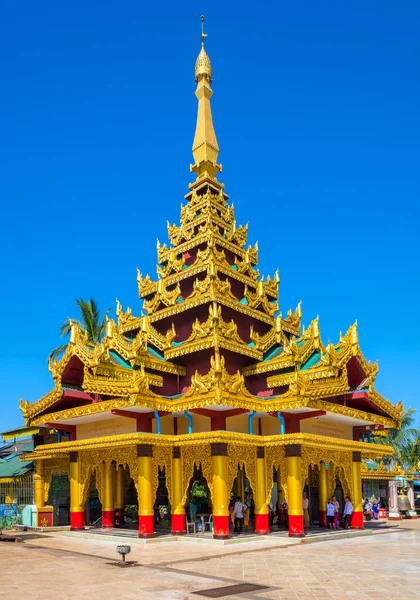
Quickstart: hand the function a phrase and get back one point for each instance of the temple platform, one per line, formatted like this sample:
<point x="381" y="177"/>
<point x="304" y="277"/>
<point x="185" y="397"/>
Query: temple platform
<point x="277" y="538"/>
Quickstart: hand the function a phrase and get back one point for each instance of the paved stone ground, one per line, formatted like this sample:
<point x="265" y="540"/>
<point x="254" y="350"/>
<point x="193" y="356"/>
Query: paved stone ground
<point x="385" y="565"/>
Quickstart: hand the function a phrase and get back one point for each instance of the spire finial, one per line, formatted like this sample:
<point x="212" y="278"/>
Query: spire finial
<point x="205" y="148"/>
<point x="203" y="35"/>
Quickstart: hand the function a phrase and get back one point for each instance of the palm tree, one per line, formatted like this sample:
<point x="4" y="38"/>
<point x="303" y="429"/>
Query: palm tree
<point x="90" y="322"/>
<point x="411" y="453"/>
<point x="400" y="439"/>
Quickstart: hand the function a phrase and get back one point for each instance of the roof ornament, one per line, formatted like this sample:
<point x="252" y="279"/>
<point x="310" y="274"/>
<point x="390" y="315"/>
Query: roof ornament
<point x="203" y="35"/>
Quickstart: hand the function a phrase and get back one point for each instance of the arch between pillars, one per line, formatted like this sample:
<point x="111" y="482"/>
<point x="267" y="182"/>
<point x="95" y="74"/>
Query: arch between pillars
<point x="275" y="458"/>
<point x="55" y="466"/>
<point x="91" y="462"/>
<point x="194" y="456"/>
<point x="341" y="459"/>
<point x="243" y="457"/>
<point x="162" y="457"/>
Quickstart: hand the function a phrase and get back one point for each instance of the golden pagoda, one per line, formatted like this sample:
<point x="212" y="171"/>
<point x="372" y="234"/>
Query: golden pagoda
<point x="210" y="381"/>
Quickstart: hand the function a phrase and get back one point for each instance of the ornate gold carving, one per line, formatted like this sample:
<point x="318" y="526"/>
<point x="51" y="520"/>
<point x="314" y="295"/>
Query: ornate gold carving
<point x="259" y="298"/>
<point x="217" y="381"/>
<point x="110" y="380"/>
<point x="341" y="458"/>
<point x="162" y="459"/>
<point x="214" y="332"/>
<point x="275" y="459"/>
<point x="196" y="456"/>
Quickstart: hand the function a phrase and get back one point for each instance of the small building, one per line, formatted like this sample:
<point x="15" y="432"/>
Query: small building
<point x="16" y="481"/>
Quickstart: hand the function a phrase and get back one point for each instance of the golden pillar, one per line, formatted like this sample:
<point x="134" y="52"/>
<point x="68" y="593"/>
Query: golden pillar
<point x="294" y="490"/>
<point x="108" y="508"/>
<point x="323" y="495"/>
<point x="119" y="493"/>
<point x="261" y="507"/>
<point x="77" y="511"/>
<point x="357" y="516"/>
<point x="240" y="484"/>
<point x="146" y="493"/>
<point x="177" y="507"/>
<point x="219" y="460"/>
<point x="241" y="474"/>
<point x="39" y="484"/>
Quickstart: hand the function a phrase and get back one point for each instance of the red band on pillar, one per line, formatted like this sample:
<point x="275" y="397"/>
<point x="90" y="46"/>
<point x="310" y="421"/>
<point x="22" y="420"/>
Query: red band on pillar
<point x="357" y="520"/>
<point x="322" y="518"/>
<point x="77" y="520"/>
<point x="296" y="526"/>
<point x="262" y="526"/>
<point x="178" y="525"/>
<point x="107" y="518"/>
<point x="221" y="528"/>
<point x="146" y="525"/>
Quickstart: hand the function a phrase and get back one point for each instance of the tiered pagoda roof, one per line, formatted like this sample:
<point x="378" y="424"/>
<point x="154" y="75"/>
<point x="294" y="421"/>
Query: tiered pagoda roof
<point x="210" y="334"/>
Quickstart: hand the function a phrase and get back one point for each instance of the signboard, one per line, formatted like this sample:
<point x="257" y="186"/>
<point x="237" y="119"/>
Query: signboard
<point x="8" y="510"/>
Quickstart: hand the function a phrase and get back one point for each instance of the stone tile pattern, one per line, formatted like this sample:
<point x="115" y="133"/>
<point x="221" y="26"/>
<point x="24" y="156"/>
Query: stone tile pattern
<point x="377" y="567"/>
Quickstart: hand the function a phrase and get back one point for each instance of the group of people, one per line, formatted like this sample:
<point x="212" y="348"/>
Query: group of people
<point x="333" y="513"/>
<point x="240" y="513"/>
<point x="371" y="509"/>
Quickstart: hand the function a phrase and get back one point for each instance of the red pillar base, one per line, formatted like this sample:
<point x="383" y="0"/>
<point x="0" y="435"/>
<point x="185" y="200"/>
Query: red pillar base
<point x="221" y="528"/>
<point x="178" y="524"/>
<point x="357" y="521"/>
<point x="322" y="518"/>
<point x="296" y="526"/>
<point x="107" y="518"/>
<point x="146" y="526"/>
<point x="262" y="526"/>
<point x="77" y="520"/>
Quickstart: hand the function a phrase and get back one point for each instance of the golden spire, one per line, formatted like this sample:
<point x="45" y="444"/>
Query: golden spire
<point x="205" y="149"/>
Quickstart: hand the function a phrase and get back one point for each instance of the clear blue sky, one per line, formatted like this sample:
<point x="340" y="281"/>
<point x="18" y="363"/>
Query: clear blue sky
<point x="316" y="109"/>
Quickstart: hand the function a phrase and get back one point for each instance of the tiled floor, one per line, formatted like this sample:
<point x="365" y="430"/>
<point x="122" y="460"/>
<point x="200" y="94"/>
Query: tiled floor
<point x="50" y="567"/>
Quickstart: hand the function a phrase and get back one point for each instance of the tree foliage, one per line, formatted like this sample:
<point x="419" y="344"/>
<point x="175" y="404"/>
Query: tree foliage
<point x="90" y="322"/>
<point x="404" y="441"/>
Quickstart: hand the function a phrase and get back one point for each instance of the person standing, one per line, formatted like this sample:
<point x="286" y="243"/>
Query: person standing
<point x="348" y="511"/>
<point x="336" y="512"/>
<point x="375" y="509"/>
<point x="238" y="511"/>
<point x="285" y="510"/>
<point x="330" y="513"/>
<point x="305" y="506"/>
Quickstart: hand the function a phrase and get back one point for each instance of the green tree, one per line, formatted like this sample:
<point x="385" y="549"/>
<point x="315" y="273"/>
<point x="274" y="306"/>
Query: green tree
<point x="90" y="323"/>
<point x="401" y="439"/>
<point x="411" y="452"/>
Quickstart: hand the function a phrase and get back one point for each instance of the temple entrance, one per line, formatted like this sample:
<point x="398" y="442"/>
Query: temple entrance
<point x="59" y="498"/>
<point x="131" y="505"/>
<point x="339" y="494"/>
<point x="93" y="504"/>
<point x="242" y="489"/>
<point x="162" y="508"/>
<point x="198" y="506"/>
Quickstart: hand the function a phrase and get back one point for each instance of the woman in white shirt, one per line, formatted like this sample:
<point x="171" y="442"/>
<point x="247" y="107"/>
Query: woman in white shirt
<point x="330" y="513"/>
